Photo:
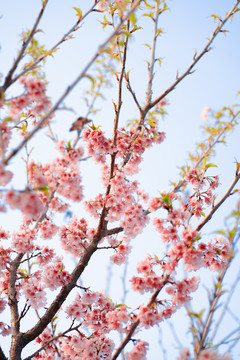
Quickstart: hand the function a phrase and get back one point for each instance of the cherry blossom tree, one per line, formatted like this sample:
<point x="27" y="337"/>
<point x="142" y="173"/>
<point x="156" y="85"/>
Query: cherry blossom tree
<point x="48" y="312"/>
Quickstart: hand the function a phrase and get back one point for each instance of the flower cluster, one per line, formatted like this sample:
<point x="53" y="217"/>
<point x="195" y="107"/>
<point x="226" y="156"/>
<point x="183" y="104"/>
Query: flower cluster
<point x="117" y="317"/>
<point x="73" y="155"/>
<point x="74" y="236"/>
<point x="5" y="329"/>
<point x="23" y="239"/>
<point x="34" y="99"/>
<point x="121" y="253"/>
<point x="28" y="202"/>
<point x="121" y="196"/>
<point x="43" y="340"/>
<point x="95" y="348"/>
<point x="5" y="176"/>
<point x="207" y="354"/>
<point x="180" y="290"/>
<point x="47" y="229"/>
<point x="5" y="258"/>
<point x="34" y="292"/>
<point x="132" y="144"/>
<point x="134" y="220"/>
<point x="139" y="351"/>
<point x="98" y="146"/>
<point x="59" y="176"/>
<point x="149" y="281"/>
<point x="149" y="316"/>
<point x="55" y="275"/>
<point x="198" y="181"/>
<point x="100" y="315"/>
<point x="5" y="138"/>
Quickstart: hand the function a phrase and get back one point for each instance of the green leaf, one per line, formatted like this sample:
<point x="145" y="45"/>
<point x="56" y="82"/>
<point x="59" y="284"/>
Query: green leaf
<point x="45" y="189"/>
<point x="119" y="305"/>
<point x="152" y="122"/>
<point x="147" y="5"/>
<point x="69" y="145"/>
<point x="232" y="233"/>
<point x="198" y="315"/>
<point x="221" y="232"/>
<point x="210" y="165"/>
<point x="7" y="119"/>
<point x="133" y="19"/>
<point x="79" y="12"/>
<point x="149" y="15"/>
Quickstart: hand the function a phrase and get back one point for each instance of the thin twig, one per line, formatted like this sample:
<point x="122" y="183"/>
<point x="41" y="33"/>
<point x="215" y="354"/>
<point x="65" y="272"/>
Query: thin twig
<point x="71" y="86"/>
<point x="188" y="71"/>
<point x="221" y="201"/>
<point x="8" y="80"/>
<point x="165" y="278"/>
<point x="54" y="47"/>
<point x="224" y="309"/>
<point x="152" y="62"/>
<point x="55" y="338"/>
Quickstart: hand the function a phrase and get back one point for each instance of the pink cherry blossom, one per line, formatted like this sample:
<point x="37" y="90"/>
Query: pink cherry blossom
<point x="184" y="355"/>
<point x="139" y="351"/>
<point x="205" y="113"/>
<point x="47" y="229"/>
<point x="34" y="292"/>
<point x="5" y="176"/>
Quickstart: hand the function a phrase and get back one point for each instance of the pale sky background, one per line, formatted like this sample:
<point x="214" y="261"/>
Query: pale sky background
<point x="215" y="84"/>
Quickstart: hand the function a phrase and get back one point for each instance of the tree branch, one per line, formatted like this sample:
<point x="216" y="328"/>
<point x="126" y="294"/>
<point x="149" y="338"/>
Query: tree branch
<point x="165" y="278"/>
<point x="71" y="86"/>
<point x="54" y="47"/>
<point x="221" y="201"/>
<point x="195" y="60"/>
<point x="8" y="80"/>
<point x="2" y="356"/>
<point x="53" y="339"/>
<point x="151" y="65"/>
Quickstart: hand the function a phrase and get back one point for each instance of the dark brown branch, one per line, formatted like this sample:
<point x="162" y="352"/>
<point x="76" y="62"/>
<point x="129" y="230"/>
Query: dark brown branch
<point x="61" y="297"/>
<point x="114" y="231"/>
<point x="8" y="80"/>
<point x="2" y="356"/>
<point x="13" y="304"/>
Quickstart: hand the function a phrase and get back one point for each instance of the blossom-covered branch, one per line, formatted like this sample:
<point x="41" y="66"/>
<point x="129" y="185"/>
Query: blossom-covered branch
<point x="71" y="86"/>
